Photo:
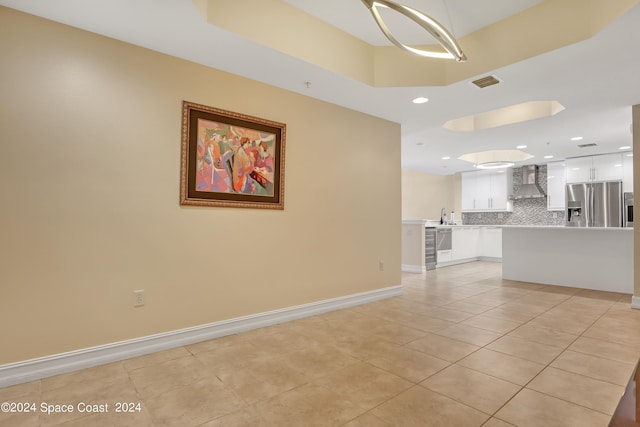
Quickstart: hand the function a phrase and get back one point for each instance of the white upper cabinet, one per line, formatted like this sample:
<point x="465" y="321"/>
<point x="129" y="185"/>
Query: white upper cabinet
<point x="468" y="192"/>
<point x="578" y="170"/>
<point x="486" y="190"/>
<point x="607" y="167"/>
<point x="556" y="186"/>
<point x="501" y="189"/>
<point x="482" y="195"/>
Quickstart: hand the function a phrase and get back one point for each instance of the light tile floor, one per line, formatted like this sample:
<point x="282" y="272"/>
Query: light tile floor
<point x="461" y="347"/>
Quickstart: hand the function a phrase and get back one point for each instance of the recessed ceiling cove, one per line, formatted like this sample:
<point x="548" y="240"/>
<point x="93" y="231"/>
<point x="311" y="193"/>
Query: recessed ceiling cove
<point x="505" y="116"/>
<point x="495" y="156"/>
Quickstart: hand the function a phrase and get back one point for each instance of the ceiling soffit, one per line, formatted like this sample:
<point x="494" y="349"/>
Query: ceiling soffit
<point x="547" y="26"/>
<point x="505" y="116"/>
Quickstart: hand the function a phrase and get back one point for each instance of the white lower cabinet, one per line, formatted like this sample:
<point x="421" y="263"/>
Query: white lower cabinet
<point x="464" y="243"/>
<point x="469" y="243"/>
<point x="444" y="256"/>
<point x="491" y="238"/>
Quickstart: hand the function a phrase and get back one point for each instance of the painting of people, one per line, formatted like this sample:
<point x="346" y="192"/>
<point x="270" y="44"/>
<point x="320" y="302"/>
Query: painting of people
<point x="234" y="159"/>
<point x="230" y="156"/>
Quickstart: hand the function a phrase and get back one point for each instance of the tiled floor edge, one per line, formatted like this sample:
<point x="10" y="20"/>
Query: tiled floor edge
<point x="43" y="367"/>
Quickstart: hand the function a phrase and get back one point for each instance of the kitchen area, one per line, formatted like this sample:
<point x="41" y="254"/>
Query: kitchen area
<point x="566" y="223"/>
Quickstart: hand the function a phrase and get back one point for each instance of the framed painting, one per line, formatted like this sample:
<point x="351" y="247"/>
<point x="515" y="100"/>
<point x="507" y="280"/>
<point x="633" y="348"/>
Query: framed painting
<point x="230" y="159"/>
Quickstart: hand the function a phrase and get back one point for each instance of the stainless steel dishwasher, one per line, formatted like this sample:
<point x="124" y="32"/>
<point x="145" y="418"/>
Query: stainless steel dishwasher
<point x="430" y="247"/>
<point x="443" y="240"/>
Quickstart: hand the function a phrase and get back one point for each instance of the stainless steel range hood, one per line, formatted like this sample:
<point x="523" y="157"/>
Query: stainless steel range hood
<point x="530" y="188"/>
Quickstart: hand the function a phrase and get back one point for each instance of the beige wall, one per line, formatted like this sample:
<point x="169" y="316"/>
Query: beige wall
<point x="89" y="177"/>
<point x="424" y="194"/>
<point x="413" y="245"/>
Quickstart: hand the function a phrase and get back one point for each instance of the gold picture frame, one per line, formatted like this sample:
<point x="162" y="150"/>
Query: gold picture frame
<point x="230" y="159"/>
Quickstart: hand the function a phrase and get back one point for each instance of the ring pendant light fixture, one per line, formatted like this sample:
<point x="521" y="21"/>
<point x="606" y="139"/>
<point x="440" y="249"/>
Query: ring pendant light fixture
<point x="444" y="37"/>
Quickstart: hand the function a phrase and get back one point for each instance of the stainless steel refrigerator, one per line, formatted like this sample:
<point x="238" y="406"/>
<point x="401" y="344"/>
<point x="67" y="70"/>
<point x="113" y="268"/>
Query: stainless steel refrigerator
<point x="594" y="204"/>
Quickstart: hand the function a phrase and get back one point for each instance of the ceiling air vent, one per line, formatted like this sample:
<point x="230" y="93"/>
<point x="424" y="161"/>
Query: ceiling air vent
<point x="592" y="144"/>
<point x="486" y="81"/>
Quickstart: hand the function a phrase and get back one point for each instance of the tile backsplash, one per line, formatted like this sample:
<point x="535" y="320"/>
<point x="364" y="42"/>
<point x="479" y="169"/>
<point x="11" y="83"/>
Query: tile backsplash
<point x="525" y="211"/>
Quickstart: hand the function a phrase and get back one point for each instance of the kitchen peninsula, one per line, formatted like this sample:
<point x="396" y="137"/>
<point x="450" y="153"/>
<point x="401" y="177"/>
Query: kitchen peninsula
<point x="584" y="257"/>
<point x="596" y="258"/>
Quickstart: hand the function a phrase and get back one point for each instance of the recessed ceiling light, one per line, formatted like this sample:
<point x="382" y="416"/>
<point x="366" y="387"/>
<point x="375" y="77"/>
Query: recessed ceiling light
<point x="420" y="100"/>
<point x="626" y="147"/>
<point x="548" y="157"/>
<point x="419" y="143"/>
<point x="618" y="166"/>
<point x="446" y="158"/>
<point x="630" y="155"/>
<point x="577" y="138"/>
<point x="520" y="147"/>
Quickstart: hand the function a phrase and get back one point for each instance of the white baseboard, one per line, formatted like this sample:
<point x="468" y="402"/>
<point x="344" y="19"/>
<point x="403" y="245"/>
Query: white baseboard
<point x="43" y="367"/>
<point x="635" y="302"/>
<point x="490" y="258"/>
<point x="466" y="260"/>
<point x="408" y="268"/>
<point x="455" y="262"/>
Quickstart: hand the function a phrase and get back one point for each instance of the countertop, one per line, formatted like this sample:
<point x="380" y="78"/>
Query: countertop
<point x="562" y="227"/>
<point x="436" y="224"/>
<point x="466" y="226"/>
<point x="541" y="227"/>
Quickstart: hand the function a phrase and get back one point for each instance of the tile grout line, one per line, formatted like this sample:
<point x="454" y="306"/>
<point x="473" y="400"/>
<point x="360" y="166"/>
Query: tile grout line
<point x="549" y="365"/>
<point x="522" y="387"/>
<point x="505" y="334"/>
<point x="482" y="347"/>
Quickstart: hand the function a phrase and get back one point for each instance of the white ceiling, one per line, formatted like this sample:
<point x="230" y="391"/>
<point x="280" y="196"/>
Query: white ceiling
<point x="597" y="80"/>
<point x="461" y="17"/>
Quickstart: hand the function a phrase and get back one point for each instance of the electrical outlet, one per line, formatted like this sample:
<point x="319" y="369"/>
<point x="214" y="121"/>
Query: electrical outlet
<point x="381" y="265"/>
<point x="138" y="298"/>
